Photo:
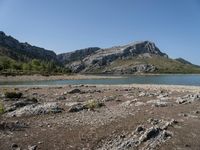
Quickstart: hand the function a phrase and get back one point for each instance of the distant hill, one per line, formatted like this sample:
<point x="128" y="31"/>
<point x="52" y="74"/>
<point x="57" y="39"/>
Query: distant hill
<point x="13" y="49"/>
<point x="23" y="58"/>
<point x="136" y="57"/>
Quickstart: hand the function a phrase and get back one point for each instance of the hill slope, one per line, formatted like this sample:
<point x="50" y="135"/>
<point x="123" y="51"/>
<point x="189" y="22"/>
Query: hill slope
<point x="23" y="58"/>
<point x="137" y="57"/>
<point x="13" y="49"/>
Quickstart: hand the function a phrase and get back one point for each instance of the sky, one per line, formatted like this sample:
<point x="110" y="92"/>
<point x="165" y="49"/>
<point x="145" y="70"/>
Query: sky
<point x="67" y="25"/>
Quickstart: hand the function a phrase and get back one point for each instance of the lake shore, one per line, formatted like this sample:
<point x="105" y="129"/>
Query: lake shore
<point x="57" y="77"/>
<point x="106" y="116"/>
<point x="73" y="77"/>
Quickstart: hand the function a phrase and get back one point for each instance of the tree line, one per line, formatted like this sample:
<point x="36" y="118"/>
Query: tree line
<point x="8" y="65"/>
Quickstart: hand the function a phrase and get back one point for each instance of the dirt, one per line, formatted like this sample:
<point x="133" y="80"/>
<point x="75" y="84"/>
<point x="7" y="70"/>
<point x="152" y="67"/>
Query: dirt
<point x="112" y="126"/>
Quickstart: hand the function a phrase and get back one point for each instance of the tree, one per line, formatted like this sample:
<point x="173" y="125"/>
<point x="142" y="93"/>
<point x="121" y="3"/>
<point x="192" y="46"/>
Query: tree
<point x="5" y="63"/>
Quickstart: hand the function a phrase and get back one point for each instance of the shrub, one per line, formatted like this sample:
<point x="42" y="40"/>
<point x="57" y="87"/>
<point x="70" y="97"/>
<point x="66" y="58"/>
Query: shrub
<point x="13" y="95"/>
<point x="92" y="104"/>
<point x="1" y="108"/>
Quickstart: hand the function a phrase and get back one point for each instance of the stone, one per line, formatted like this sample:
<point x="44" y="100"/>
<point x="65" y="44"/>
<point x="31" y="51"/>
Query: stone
<point x="180" y="100"/>
<point x="150" y="133"/>
<point x="142" y="94"/>
<point x="61" y="98"/>
<point x="127" y="103"/>
<point x="15" y="147"/>
<point x="36" y="109"/>
<point x="139" y="104"/>
<point x="158" y="103"/>
<point x="73" y="91"/>
<point x="161" y="104"/>
<point x="34" y="147"/>
<point x="76" y="108"/>
<point x="139" y="129"/>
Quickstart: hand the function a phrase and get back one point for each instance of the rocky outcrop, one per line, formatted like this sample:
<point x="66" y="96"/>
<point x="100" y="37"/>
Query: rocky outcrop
<point x="104" y="57"/>
<point x="76" y="55"/>
<point x="142" y="68"/>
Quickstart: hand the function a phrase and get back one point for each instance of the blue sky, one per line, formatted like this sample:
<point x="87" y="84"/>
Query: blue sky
<point x="66" y="25"/>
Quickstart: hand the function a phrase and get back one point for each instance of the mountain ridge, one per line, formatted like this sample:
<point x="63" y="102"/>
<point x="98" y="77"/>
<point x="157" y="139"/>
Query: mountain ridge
<point x="135" y="57"/>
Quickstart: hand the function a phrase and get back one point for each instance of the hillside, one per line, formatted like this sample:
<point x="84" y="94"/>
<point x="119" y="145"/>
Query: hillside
<point x="23" y="51"/>
<point x="20" y="58"/>
<point x="137" y="57"/>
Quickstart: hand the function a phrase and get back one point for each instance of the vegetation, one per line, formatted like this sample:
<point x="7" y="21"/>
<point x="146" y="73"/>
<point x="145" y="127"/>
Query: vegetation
<point x="1" y="108"/>
<point x="13" y="95"/>
<point x="92" y="104"/>
<point x="9" y="66"/>
<point x="163" y="65"/>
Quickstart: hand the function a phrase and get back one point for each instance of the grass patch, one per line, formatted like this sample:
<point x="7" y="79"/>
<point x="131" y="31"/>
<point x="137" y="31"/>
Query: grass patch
<point x="1" y="108"/>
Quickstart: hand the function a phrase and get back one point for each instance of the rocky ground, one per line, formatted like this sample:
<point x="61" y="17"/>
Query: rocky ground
<point x="100" y="117"/>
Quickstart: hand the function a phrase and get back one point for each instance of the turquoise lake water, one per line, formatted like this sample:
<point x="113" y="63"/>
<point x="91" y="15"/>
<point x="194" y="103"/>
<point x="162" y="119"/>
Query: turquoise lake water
<point x="131" y="79"/>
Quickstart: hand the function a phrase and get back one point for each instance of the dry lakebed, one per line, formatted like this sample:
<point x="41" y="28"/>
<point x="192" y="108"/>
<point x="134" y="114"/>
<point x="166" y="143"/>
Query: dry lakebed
<point x="103" y="117"/>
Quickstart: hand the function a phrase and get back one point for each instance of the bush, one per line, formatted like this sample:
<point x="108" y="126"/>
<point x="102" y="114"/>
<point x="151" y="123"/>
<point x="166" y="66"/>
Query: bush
<point x="1" y="108"/>
<point x="13" y="95"/>
<point x="92" y="104"/>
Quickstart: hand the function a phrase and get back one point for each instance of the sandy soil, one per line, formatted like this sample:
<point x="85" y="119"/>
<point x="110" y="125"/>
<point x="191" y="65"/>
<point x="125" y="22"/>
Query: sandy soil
<point x="172" y="111"/>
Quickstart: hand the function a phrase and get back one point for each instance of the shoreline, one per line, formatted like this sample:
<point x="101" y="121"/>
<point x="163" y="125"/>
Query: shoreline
<point x="74" y="77"/>
<point x="182" y="88"/>
<point x="58" y="77"/>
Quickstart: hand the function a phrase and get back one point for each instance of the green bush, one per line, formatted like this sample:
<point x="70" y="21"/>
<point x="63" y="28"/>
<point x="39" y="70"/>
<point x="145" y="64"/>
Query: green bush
<point x="1" y="108"/>
<point x="92" y="104"/>
<point x="13" y="95"/>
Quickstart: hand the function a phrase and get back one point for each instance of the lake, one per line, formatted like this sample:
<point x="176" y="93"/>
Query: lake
<point x="129" y="79"/>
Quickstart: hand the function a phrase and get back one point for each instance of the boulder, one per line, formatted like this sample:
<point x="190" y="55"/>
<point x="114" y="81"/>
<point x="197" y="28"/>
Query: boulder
<point x="35" y="109"/>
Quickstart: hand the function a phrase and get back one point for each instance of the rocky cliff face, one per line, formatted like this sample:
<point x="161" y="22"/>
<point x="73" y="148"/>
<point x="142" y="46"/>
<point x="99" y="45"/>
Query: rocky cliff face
<point x="23" y="51"/>
<point x="76" y="55"/>
<point x="105" y="57"/>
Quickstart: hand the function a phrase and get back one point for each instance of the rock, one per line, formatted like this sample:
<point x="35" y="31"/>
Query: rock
<point x="15" y="147"/>
<point x="139" y="129"/>
<point x="158" y="103"/>
<point x="70" y="104"/>
<point x="34" y="147"/>
<point x="169" y="123"/>
<point x="12" y="126"/>
<point x="127" y="103"/>
<point x="161" y="104"/>
<point x="180" y="100"/>
<point x="25" y="102"/>
<point x="76" y="108"/>
<point x="150" y="133"/>
<point x="139" y="104"/>
<point x="162" y="95"/>
<point x="12" y="95"/>
<point x="74" y="91"/>
<point x="61" y="98"/>
<point x="142" y="94"/>
<point x="36" y="110"/>
<point x="109" y="98"/>
<point x="153" y="121"/>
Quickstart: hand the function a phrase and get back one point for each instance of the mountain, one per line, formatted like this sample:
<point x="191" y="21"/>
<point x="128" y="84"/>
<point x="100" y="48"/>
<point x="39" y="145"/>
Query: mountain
<point x="76" y="55"/>
<point x="136" y="57"/>
<point x="24" y="52"/>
